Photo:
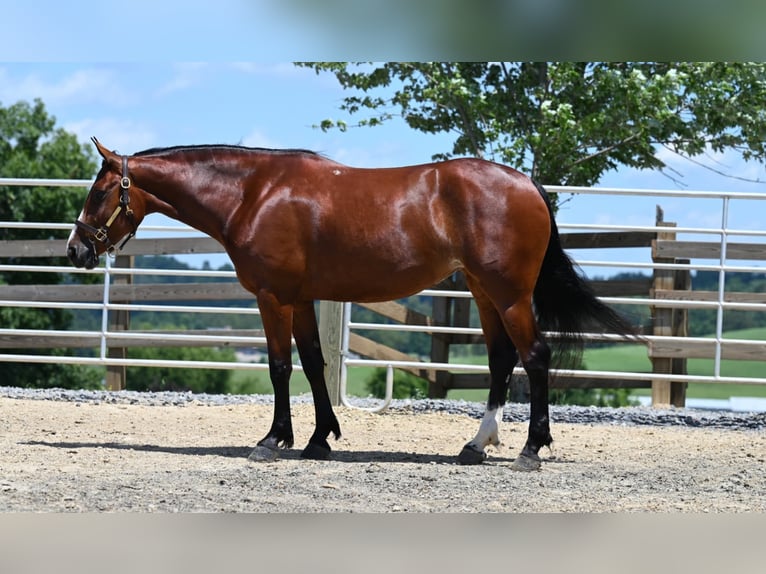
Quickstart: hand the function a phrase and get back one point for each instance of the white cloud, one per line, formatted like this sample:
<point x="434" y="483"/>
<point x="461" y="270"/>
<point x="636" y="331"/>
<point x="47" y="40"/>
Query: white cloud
<point x="88" y="85"/>
<point x="288" y="71"/>
<point x="277" y="69"/>
<point x="186" y="75"/>
<point x="257" y="138"/>
<point x="358" y="157"/>
<point x="121" y="135"/>
<point x="714" y="170"/>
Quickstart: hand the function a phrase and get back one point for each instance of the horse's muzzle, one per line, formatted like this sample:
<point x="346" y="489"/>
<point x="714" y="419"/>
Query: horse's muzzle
<point x="82" y="255"/>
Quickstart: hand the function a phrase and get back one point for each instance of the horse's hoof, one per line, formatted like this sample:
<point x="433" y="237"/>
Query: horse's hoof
<point x="526" y="463"/>
<point x="263" y="454"/>
<point x="316" y="452"/>
<point x="471" y="455"/>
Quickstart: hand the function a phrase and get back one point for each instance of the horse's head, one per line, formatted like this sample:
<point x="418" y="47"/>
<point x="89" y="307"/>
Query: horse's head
<point x="112" y="212"/>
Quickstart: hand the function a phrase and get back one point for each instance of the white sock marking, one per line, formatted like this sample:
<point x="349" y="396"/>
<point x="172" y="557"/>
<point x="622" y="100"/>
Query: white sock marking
<point x="488" y="429"/>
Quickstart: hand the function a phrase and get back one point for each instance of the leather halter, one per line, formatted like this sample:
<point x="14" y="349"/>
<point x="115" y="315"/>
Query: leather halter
<point x="101" y="234"/>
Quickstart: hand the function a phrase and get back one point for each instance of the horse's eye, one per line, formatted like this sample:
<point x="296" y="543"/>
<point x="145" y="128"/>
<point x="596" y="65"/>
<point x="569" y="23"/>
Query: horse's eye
<point x="99" y="195"/>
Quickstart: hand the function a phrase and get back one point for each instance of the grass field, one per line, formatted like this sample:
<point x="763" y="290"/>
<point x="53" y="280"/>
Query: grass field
<point x="615" y="358"/>
<point x="634" y="358"/>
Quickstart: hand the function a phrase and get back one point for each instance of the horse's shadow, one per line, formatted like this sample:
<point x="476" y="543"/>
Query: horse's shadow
<point x="345" y="456"/>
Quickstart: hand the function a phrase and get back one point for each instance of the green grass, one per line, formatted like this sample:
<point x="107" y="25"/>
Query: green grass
<point x="634" y="358"/>
<point x="257" y="382"/>
<point x="622" y="357"/>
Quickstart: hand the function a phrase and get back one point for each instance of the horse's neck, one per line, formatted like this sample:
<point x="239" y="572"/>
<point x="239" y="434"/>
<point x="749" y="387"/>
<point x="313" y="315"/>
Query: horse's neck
<point x="189" y="202"/>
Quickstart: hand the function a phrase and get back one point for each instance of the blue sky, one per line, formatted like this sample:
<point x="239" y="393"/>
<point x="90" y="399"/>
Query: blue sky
<point x="131" y="106"/>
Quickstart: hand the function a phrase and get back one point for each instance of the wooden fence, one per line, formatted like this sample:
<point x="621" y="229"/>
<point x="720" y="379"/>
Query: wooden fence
<point x="456" y="312"/>
<point x="668" y="353"/>
<point x="669" y="289"/>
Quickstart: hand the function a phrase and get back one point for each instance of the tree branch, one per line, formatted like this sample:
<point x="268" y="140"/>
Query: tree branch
<point x="712" y="169"/>
<point x="604" y="151"/>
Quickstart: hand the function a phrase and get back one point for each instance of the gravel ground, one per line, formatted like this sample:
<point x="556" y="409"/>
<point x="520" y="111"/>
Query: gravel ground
<point x="74" y="451"/>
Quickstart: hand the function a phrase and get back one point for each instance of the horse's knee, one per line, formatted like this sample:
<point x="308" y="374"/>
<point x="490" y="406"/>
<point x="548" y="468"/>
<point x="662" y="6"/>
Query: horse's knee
<point x="280" y="370"/>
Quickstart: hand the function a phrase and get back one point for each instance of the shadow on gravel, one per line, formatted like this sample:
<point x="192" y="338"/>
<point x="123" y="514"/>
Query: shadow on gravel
<point x="242" y="452"/>
<point x="227" y="451"/>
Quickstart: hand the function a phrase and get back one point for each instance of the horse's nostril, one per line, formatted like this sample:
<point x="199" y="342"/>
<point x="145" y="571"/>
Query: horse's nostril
<point x="71" y="252"/>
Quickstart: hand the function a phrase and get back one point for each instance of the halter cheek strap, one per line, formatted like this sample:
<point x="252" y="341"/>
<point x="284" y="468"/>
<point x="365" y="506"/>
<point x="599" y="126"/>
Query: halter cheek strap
<point x="101" y="234"/>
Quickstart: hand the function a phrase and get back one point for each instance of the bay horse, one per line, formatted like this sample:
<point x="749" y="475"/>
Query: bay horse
<point x="300" y="227"/>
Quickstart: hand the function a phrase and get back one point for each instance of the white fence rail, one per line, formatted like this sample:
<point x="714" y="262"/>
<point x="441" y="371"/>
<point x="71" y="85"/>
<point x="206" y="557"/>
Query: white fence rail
<point x="723" y="266"/>
<point x="725" y="225"/>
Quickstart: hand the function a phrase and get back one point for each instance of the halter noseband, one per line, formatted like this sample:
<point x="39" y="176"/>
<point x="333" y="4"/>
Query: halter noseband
<point x="101" y="234"/>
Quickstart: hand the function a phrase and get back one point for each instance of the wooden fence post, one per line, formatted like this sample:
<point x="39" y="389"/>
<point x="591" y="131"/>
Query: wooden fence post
<point x="668" y="323"/>
<point x="682" y="280"/>
<point x="441" y="314"/>
<point x="117" y="375"/>
<point x="448" y="312"/>
<point x="331" y="340"/>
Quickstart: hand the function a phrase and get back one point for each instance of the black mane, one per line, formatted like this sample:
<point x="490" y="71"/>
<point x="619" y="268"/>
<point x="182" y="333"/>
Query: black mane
<point x="213" y="147"/>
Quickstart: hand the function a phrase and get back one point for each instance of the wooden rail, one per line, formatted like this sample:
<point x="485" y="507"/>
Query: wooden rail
<point x="667" y="355"/>
<point x="137" y="246"/>
<point x="454" y="312"/>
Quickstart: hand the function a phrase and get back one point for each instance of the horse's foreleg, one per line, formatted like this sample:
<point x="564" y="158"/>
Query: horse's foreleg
<point x="306" y="336"/>
<point x="277" y="322"/>
<point x="502" y="359"/>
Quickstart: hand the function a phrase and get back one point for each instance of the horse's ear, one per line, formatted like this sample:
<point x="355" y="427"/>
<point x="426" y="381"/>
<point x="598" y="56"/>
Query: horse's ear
<point x="108" y="155"/>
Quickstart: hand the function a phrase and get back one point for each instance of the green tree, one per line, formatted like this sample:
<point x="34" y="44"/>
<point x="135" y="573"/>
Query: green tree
<point x="566" y="123"/>
<point x="179" y="379"/>
<point x="32" y="147"/>
<point x="592" y="397"/>
<point x="406" y="385"/>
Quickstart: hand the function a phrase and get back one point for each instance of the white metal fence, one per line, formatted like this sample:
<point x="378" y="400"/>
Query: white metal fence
<point x="722" y="229"/>
<point x="110" y="271"/>
<point x="724" y="265"/>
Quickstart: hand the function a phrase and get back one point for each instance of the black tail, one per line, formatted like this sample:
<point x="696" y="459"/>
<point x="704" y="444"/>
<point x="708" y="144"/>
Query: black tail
<point x="564" y="303"/>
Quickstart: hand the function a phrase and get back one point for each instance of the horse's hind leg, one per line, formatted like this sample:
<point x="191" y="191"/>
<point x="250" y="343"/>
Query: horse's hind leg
<point x="306" y="336"/>
<point x="502" y="360"/>
<point x="535" y="357"/>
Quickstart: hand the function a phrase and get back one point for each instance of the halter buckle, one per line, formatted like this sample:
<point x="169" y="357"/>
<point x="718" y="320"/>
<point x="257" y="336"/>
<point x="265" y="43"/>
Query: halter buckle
<point x="101" y="235"/>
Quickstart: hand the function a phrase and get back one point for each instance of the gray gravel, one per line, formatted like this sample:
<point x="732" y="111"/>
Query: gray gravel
<point x="513" y="412"/>
<point x="88" y="451"/>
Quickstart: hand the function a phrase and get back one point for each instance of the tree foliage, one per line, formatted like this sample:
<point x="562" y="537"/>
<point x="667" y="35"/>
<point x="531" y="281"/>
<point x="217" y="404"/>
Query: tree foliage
<point x="702" y="322"/>
<point x="406" y="385"/>
<point x="565" y="123"/>
<point x="32" y="147"/>
<point x="179" y="379"/>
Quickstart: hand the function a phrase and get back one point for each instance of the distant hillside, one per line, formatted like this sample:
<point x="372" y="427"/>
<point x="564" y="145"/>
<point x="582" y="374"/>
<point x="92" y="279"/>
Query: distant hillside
<point x="701" y="322"/>
<point x="168" y="262"/>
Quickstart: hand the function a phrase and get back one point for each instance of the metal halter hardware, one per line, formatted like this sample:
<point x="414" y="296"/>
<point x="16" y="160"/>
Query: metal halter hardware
<point x="101" y="234"/>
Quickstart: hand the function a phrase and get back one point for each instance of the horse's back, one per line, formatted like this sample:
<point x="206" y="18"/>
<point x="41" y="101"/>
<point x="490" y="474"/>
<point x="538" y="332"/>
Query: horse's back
<point x="338" y="232"/>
